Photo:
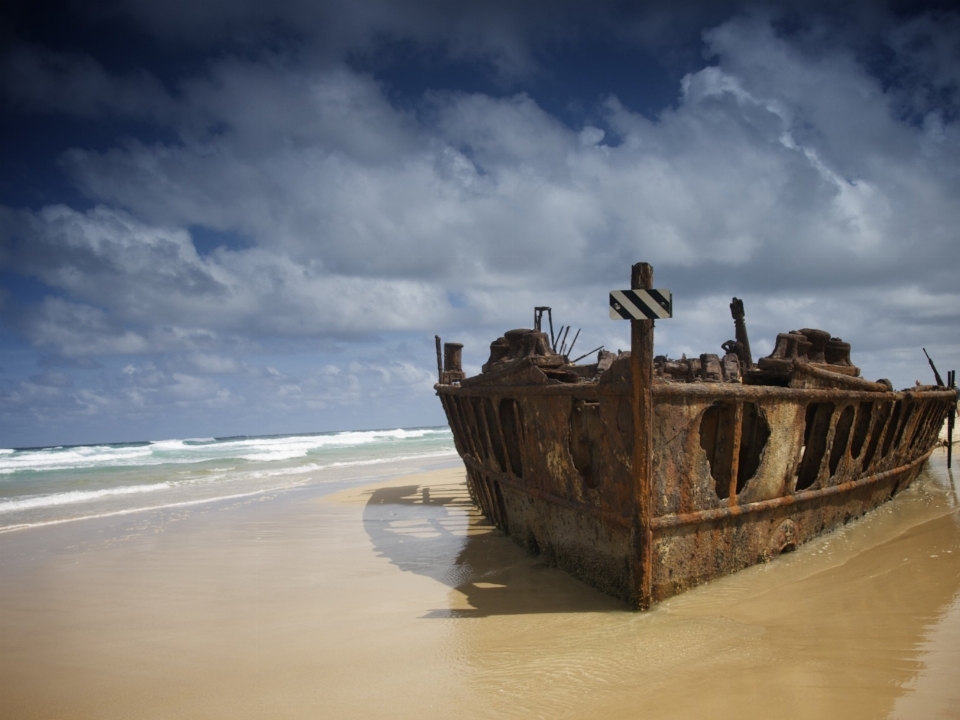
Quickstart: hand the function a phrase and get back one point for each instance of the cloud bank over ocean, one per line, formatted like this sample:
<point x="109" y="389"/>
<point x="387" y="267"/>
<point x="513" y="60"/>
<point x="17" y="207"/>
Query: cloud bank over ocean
<point x="221" y="219"/>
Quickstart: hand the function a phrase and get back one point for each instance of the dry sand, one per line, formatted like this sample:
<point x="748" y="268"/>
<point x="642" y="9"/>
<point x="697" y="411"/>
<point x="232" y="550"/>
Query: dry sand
<point x="398" y="601"/>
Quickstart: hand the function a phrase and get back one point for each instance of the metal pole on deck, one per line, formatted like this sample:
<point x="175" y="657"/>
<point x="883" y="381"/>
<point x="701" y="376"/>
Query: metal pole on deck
<point x="641" y="361"/>
<point x="952" y="383"/>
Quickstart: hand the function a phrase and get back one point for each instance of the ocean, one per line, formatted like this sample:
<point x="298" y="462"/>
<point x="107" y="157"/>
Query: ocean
<point x="41" y="486"/>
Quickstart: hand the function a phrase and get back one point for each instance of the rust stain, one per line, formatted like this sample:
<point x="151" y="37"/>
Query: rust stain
<point x="746" y="460"/>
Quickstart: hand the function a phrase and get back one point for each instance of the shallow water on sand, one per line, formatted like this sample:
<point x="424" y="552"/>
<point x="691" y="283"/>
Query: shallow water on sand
<point x="864" y="622"/>
<point x="399" y="600"/>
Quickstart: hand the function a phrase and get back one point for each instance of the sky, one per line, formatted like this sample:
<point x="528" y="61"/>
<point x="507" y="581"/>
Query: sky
<point x="222" y="218"/>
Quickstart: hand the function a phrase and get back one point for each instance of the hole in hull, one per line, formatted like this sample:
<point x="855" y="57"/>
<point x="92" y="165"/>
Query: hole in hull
<point x="863" y="427"/>
<point x="493" y="432"/>
<point x="719" y="432"/>
<point x="584" y="440"/>
<point x="881" y="419"/>
<point x="840" y="438"/>
<point x="815" y="445"/>
<point x="511" y="418"/>
<point x="893" y="430"/>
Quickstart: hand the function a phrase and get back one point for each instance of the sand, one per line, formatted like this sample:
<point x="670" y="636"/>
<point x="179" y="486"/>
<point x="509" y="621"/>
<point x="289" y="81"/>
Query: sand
<point x="397" y="600"/>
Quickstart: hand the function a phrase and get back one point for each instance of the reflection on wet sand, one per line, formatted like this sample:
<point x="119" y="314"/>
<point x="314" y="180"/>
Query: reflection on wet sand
<point x="436" y="531"/>
<point x="858" y="623"/>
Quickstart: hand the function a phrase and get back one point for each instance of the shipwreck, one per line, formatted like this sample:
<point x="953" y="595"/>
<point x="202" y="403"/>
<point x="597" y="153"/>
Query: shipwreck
<point x="645" y="476"/>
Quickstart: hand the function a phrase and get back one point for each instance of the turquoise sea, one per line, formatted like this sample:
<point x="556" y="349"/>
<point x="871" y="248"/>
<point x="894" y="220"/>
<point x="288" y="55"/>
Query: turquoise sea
<point x="59" y="484"/>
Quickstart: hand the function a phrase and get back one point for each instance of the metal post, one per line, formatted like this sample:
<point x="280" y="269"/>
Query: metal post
<point x="951" y="418"/>
<point x="439" y="360"/>
<point x="736" y="310"/>
<point x="641" y="361"/>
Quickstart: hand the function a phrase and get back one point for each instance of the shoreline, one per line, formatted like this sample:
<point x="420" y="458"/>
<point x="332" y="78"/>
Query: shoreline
<point x="388" y="468"/>
<point x="396" y="598"/>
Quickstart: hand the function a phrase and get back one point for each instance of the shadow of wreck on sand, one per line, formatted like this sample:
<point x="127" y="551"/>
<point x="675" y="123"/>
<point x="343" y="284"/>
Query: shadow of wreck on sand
<point x="436" y="531"/>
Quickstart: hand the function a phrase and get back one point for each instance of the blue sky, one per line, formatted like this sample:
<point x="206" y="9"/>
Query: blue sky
<point x="241" y="217"/>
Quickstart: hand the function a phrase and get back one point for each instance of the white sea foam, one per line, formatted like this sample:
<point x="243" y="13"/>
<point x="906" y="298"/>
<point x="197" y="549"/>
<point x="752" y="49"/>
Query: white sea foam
<point x="167" y="445"/>
<point x="75" y="496"/>
<point x="81" y="457"/>
<point x="198" y="450"/>
<point x="396" y="458"/>
<point x="53" y="484"/>
<point x="314" y="467"/>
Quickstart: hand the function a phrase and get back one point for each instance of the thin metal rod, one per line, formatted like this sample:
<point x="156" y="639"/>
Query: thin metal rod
<point x="951" y="417"/>
<point x="735" y="454"/>
<point x="597" y="349"/>
<point x="570" y="349"/>
<point x="935" y="373"/>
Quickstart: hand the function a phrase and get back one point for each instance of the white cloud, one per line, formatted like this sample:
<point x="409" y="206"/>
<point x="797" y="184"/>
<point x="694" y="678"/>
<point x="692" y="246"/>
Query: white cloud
<point x="127" y="273"/>
<point x="774" y="162"/>
<point x="774" y="158"/>
<point x="210" y="363"/>
<point x="76" y="330"/>
<point x="786" y="173"/>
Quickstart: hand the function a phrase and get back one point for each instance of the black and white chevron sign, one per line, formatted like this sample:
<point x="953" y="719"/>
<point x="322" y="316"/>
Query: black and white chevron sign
<point x="641" y="304"/>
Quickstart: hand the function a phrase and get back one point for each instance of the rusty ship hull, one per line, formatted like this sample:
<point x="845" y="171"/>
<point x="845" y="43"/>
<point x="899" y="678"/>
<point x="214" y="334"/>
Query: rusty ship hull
<point x="738" y="472"/>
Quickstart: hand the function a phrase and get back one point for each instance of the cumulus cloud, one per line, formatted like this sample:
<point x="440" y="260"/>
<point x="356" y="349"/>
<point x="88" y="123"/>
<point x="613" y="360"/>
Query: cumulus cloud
<point x="182" y="394"/>
<point x="772" y="159"/>
<point x="788" y="172"/>
<point x="131" y="275"/>
<point x="76" y="330"/>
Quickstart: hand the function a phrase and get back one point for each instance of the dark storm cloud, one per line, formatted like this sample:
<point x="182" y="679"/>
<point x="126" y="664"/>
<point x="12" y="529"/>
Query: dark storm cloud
<point x="511" y="39"/>
<point x="37" y="79"/>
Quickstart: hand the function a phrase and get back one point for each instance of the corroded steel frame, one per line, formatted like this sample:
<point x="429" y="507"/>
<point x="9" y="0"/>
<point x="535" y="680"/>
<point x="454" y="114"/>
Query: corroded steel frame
<point x="552" y="465"/>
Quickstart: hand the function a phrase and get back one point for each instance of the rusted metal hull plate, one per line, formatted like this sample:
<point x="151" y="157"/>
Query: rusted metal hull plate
<point x="739" y="473"/>
<point x="690" y="554"/>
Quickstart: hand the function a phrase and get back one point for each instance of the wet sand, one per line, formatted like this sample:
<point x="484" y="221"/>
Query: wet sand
<point x="398" y="600"/>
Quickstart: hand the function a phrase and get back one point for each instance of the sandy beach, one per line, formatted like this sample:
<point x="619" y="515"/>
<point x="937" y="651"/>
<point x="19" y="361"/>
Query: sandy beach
<point x="398" y="600"/>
